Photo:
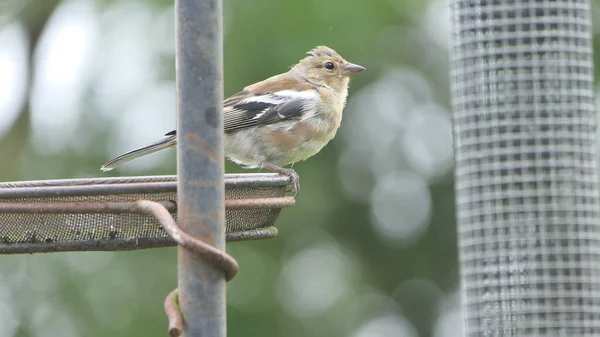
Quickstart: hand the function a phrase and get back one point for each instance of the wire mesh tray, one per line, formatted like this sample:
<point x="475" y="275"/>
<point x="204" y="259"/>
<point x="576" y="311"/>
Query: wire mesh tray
<point x="102" y="214"/>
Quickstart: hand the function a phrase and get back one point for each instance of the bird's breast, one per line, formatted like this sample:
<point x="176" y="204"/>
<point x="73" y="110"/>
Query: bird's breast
<point x="297" y="141"/>
<point x="331" y="106"/>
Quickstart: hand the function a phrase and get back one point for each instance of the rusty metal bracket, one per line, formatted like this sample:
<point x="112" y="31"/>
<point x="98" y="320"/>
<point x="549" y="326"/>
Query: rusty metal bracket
<point x="211" y="254"/>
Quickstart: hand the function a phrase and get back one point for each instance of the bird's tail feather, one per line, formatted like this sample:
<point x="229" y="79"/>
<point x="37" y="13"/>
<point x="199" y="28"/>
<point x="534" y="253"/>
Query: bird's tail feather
<point x="142" y="151"/>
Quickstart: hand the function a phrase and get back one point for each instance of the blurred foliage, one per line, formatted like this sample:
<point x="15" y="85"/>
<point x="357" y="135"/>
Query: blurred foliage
<point x="330" y="272"/>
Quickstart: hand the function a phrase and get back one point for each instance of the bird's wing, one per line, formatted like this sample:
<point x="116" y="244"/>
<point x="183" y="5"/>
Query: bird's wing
<point x="276" y="99"/>
<point x="269" y="108"/>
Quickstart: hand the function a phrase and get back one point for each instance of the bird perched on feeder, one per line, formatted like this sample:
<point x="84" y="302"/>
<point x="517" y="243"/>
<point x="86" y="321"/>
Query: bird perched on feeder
<point x="282" y="120"/>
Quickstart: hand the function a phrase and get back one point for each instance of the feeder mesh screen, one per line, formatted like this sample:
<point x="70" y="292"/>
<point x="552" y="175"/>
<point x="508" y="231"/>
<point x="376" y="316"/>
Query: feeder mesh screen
<point x="107" y="229"/>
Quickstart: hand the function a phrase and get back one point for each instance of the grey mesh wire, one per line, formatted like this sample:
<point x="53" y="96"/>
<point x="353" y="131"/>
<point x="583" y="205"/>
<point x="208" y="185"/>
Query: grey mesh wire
<point x="40" y="230"/>
<point x="526" y="174"/>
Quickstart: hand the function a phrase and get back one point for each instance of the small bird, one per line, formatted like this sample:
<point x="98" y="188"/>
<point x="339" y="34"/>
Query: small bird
<point x="282" y="120"/>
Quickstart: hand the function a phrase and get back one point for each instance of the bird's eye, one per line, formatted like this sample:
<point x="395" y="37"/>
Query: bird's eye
<point x="329" y="65"/>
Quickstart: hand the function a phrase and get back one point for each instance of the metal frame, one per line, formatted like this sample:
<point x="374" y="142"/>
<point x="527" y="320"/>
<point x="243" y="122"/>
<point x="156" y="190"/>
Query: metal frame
<point x="27" y="198"/>
<point x="18" y="193"/>
<point x="124" y="185"/>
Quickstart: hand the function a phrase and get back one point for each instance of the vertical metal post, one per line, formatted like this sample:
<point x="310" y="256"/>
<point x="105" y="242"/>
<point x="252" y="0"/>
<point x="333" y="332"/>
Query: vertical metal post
<point x="200" y="188"/>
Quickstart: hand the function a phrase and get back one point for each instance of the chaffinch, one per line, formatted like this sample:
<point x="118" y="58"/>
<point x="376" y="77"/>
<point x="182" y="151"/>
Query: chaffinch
<point x="282" y="120"/>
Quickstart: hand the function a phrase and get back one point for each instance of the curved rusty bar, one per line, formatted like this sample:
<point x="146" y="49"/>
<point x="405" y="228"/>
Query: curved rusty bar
<point x="173" y="314"/>
<point x="213" y="255"/>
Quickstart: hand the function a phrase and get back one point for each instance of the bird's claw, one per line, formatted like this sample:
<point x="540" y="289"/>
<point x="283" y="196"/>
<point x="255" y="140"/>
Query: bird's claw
<point x="288" y="172"/>
<point x="294" y="180"/>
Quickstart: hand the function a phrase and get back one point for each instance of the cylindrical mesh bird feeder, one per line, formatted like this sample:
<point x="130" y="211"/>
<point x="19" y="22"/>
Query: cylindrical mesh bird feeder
<point x="526" y="173"/>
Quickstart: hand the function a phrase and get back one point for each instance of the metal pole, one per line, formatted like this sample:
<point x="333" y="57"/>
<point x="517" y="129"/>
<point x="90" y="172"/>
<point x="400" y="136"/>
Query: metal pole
<point x="200" y="163"/>
<point x="526" y="167"/>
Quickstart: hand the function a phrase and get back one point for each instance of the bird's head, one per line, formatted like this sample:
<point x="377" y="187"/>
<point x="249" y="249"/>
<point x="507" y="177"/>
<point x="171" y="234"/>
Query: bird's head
<point x="325" y="66"/>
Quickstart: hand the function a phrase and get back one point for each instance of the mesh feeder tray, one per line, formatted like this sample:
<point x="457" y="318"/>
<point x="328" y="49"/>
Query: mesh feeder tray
<point x="102" y="214"/>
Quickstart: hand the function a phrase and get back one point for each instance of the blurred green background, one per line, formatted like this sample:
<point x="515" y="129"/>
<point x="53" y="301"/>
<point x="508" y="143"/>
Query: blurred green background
<point x="369" y="249"/>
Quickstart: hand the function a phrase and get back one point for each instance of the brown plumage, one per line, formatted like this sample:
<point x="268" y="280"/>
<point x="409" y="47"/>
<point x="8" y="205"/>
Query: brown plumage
<point x="281" y="120"/>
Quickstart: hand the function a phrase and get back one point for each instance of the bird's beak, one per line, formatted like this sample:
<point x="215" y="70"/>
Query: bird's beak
<point x="351" y="69"/>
